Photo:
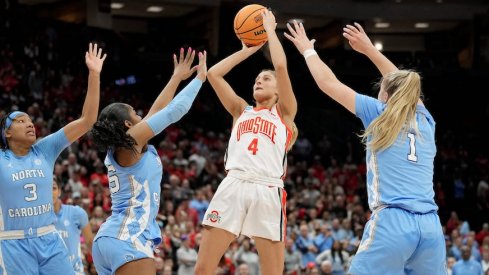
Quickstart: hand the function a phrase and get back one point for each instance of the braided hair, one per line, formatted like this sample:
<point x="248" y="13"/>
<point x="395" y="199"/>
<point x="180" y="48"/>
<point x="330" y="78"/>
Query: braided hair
<point x="109" y="132"/>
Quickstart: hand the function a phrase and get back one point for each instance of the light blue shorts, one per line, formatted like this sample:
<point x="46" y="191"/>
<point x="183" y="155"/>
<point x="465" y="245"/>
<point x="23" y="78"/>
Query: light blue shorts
<point x="396" y="241"/>
<point x="43" y="255"/>
<point x="110" y="253"/>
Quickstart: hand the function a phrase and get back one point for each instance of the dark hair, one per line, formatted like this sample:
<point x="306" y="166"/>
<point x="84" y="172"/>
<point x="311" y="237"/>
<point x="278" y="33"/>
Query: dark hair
<point x="2" y="126"/>
<point x="3" y="140"/>
<point x="109" y="132"/>
<point x="58" y="182"/>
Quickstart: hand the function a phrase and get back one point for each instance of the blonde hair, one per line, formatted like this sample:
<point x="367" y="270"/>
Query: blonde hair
<point x="295" y="134"/>
<point x="403" y="88"/>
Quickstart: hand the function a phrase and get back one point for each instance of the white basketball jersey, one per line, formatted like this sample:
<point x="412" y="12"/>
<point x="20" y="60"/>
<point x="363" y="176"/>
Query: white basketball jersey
<point x="258" y="143"/>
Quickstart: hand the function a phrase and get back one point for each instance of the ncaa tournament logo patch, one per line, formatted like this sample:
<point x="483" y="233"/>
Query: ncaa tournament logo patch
<point x="214" y="217"/>
<point x="37" y="162"/>
<point x="66" y="222"/>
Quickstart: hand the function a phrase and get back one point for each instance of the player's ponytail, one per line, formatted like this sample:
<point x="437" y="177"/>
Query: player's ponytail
<point x="403" y="88"/>
<point x="109" y="132"/>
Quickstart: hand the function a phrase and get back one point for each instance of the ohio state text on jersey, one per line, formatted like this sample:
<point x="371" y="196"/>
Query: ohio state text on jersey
<point x="258" y="143"/>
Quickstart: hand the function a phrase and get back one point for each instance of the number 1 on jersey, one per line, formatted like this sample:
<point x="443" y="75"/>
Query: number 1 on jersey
<point x="253" y="147"/>
<point x="412" y="148"/>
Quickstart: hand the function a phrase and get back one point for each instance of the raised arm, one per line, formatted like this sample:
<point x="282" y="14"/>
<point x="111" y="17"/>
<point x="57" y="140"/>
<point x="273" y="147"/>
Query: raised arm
<point x="94" y="60"/>
<point x="322" y="74"/>
<point x="178" y="107"/>
<point x="287" y="102"/>
<point x="359" y="41"/>
<point x="228" y="97"/>
<point x="182" y="70"/>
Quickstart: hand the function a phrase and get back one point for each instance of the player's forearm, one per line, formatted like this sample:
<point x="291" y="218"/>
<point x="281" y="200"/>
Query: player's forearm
<point x="321" y="73"/>
<point x="277" y="52"/>
<point x="165" y="96"/>
<point x="92" y="99"/>
<point x="383" y="64"/>
<point x="227" y="64"/>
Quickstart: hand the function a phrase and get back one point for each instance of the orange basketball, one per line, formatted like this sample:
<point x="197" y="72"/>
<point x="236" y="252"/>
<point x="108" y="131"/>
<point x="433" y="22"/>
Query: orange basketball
<point x="248" y="25"/>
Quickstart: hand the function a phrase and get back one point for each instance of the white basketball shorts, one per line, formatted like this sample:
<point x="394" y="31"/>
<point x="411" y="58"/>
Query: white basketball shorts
<point x="250" y="205"/>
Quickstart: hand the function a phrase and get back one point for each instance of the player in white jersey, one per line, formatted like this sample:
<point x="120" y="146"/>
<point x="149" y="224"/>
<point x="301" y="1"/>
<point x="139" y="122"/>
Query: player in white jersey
<point x="29" y="243"/>
<point x="71" y="222"/>
<point x="251" y="199"/>
<point x="404" y="233"/>
<point x="124" y="244"/>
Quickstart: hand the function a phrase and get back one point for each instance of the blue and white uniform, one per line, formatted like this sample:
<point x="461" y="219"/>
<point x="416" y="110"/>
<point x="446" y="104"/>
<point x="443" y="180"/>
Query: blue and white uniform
<point x="404" y="234"/>
<point x="70" y="222"/>
<point x="132" y="227"/>
<point x="29" y="243"/>
<point x="135" y="193"/>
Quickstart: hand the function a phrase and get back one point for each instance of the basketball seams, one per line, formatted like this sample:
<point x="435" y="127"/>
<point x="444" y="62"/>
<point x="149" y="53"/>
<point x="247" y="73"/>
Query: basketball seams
<point x="244" y="20"/>
<point x="248" y="25"/>
<point x="250" y="30"/>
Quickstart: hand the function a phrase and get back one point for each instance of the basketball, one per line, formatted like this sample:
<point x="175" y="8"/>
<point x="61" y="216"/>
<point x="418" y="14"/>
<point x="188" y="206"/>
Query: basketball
<point x="248" y="25"/>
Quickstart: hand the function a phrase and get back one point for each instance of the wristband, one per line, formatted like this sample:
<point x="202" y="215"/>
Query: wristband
<point x="309" y="52"/>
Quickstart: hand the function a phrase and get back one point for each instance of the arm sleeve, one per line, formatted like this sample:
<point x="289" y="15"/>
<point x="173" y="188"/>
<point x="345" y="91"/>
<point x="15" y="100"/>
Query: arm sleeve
<point x="52" y="145"/>
<point x="367" y="108"/>
<point x="178" y="107"/>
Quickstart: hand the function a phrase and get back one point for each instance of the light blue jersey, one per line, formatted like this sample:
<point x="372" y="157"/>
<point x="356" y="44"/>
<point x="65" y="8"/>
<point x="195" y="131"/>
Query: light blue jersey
<point x="29" y="243"/>
<point x="70" y="222"/>
<point x="135" y="193"/>
<point x="401" y="175"/>
<point x="26" y="184"/>
<point x="404" y="234"/>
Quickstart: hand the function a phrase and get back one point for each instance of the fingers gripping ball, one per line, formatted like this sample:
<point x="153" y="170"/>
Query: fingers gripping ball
<point x="248" y="25"/>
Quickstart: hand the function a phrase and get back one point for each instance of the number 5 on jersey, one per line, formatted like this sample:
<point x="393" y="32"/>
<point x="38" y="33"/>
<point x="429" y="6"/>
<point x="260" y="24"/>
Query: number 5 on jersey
<point x="253" y="147"/>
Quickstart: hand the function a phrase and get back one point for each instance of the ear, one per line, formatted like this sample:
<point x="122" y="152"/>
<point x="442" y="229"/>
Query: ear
<point x="8" y="133"/>
<point x="128" y="123"/>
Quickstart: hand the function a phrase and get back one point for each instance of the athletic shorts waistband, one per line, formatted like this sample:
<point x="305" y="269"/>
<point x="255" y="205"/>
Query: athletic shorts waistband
<point x="254" y="178"/>
<point x="26" y="233"/>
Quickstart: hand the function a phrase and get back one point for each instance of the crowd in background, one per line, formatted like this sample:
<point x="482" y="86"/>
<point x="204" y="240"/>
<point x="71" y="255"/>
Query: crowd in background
<point x="326" y="202"/>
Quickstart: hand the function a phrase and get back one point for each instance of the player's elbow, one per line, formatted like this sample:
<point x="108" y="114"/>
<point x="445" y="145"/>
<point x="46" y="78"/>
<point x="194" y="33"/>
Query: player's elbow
<point x="212" y="74"/>
<point x="280" y="66"/>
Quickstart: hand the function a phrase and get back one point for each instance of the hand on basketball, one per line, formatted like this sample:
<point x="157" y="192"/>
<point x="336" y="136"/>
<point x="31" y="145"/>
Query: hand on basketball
<point x="202" y="67"/>
<point x="94" y="58"/>
<point x="299" y="37"/>
<point x="357" y="38"/>
<point x="251" y="49"/>
<point x="269" y="23"/>
<point x="182" y="66"/>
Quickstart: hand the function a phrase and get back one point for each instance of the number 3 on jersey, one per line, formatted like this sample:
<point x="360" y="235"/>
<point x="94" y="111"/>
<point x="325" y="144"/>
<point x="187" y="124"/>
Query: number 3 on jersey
<point x="253" y="147"/>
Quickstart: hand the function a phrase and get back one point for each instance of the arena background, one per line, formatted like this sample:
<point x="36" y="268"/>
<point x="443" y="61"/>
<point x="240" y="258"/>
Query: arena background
<point x="42" y="70"/>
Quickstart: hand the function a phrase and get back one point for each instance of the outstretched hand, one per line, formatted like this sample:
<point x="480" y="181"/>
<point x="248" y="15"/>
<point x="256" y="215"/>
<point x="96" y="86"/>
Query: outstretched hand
<point x="202" y="67"/>
<point x="269" y="23"/>
<point x="182" y="66"/>
<point x="94" y="58"/>
<point x="299" y="37"/>
<point x="357" y="38"/>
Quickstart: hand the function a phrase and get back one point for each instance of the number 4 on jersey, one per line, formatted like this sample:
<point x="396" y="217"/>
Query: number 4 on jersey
<point x="253" y="147"/>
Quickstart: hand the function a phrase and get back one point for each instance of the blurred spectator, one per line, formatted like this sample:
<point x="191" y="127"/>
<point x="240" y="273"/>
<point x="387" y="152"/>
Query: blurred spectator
<point x="187" y="257"/>
<point x="466" y="266"/>
<point x="246" y="255"/>
<point x="292" y="259"/>
<point x="305" y="244"/>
